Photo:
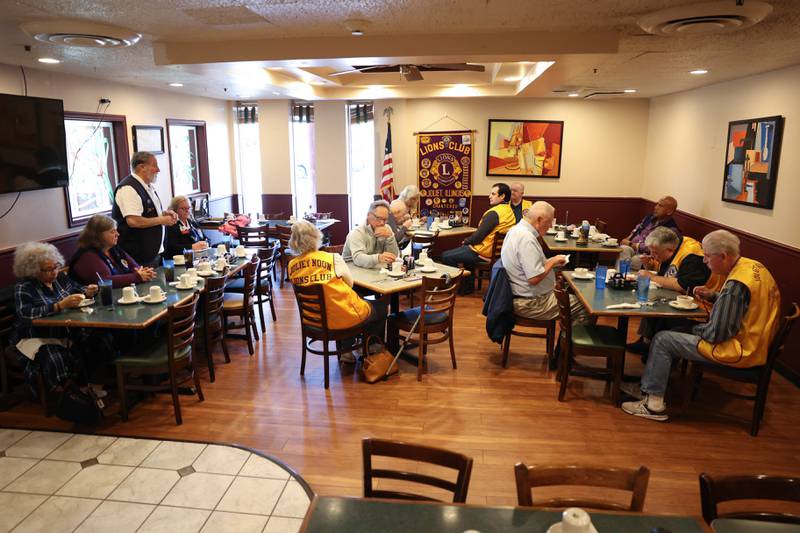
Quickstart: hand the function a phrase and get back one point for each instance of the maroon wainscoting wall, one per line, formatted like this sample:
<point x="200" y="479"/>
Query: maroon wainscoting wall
<point x="66" y="244"/>
<point x="277" y="203"/>
<point x="337" y="204"/>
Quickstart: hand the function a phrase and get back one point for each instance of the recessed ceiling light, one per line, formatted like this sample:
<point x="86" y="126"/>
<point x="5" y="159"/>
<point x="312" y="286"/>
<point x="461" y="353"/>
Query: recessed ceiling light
<point x="698" y="72"/>
<point x="629" y="91"/>
<point x="49" y="60"/>
<point x="513" y="78"/>
<point x="573" y="95"/>
<point x="176" y="84"/>
<point x="357" y="33"/>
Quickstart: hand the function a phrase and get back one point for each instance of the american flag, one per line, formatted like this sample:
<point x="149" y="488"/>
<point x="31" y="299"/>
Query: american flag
<point x="387" y="179"/>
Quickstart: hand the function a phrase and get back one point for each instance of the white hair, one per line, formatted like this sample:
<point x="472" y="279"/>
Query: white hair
<point x="398" y="206"/>
<point x="540" y="209"/>
<point x="29" y="256"/>
<point x="410" y="191"/>
<point x="305" y="237"/>
<point x="376" y="204"/>
<point x="721" y="241"/>
<point x="662" y="237"/>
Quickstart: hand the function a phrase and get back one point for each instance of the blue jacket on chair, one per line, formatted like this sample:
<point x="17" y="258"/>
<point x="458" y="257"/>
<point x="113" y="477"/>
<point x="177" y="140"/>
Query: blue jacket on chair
<point x="498" y="305"/>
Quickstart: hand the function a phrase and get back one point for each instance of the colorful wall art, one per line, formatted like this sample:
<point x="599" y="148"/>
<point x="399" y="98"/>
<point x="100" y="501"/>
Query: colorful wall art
<point x="524" y="148"/>
<point x="751" y="161"/>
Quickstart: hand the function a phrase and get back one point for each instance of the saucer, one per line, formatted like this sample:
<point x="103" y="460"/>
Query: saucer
<point x="609" y="245"/>
<point x="556" y="528"/>
<point x="674" y="304"/>
<point x="128" y="302"/>
<point x="551" y="232"/>
<point x="560" y="240"/>
<point x="147" y="300"/>
<point x="182" y="263"/>
<point x="442" y="226"/>
<point x="427" y="270"/>
<point x="584" y="276"/>
<point x="396" y="274"/>
<point x="206" y="273"/>
<point x="186" y="287"/>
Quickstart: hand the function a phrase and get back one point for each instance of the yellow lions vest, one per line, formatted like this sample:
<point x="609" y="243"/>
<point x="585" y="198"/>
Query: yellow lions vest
<point x="760" y="323"/>
<point x="344" y="307"/>
<point x="690" y="246"/>
<point x="507" y="221"/>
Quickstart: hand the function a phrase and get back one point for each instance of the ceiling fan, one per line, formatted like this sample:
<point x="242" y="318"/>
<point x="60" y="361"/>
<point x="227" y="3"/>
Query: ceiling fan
<point x="412" y="72"/>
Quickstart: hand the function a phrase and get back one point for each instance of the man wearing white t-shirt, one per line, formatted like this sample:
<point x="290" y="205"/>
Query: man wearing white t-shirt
<point x="138" y="212"/>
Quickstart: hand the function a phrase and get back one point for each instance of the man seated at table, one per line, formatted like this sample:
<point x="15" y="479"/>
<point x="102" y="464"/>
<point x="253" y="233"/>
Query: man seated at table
<point x="518" y="204"/>
<point x="499" y="218"/>
<point x="372" y="244"/>
<point x="345" y="308"/>
<point x="399" y="222"/>
<point x="681" y="269"/>
<point x="529" y="270"/>
<point x="634" y="245"/>
<point x="743" y="320"/>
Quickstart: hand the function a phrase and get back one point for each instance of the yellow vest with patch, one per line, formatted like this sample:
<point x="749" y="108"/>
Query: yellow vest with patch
<point x="507" y="221"/>
<point x="344" y="307"/>
<point x="750" y="345"/>
<point x="688" y="247"/>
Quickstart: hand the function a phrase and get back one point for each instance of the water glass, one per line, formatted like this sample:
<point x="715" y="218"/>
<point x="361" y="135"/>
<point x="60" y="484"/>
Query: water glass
<point x="169" y="270"/>
<point x="624" y="266"/>
<point x="600" y="273"/>
<point x="642" y="288"/>
<point x="189" y="258"/>
<point x="106" y="292"/>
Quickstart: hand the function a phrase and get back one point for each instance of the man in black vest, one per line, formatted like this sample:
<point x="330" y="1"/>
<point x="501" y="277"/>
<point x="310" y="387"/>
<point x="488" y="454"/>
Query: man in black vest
<point x="137" y="210"/>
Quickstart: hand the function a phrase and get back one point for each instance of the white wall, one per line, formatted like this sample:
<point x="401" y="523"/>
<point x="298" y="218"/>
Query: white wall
<point x="686" y="143"/>
<point x="42" y="214"/>
<point x="274" y="132"/>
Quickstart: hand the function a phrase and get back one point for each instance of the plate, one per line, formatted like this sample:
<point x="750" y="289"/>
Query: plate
<point x="585" y="276"/>
<point x="560" y="240"/>
<point x="556" y="528"/>
<point x="442" y="226"/>
<point x="147" y="300"/>
<point x="86" y="303"/>
<point x="206" y="273"/>
<point x="396" y="274"/>
<point x="551" y="232"/>
<point x="182" y="288"/>
<point x="123" y="302"/>
<point x="609" y="245"/>
<point x="674" y="305"/>
<point x="427" y="270"/>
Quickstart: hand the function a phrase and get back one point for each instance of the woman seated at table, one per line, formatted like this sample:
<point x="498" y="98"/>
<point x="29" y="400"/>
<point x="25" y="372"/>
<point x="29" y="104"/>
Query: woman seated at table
<point x="345" y="308"/>
<point x="61" y="356"/>
<point x="410" y="197"/>
<point x="186" y="234"/>
<point x="99" y="256"/>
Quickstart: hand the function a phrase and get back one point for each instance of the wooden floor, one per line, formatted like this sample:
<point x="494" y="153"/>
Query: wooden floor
<point x="497" y="416"/>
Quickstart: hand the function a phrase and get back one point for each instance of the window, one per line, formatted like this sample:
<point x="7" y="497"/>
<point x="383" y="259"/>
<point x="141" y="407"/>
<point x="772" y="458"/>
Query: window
<point x="361" y="159"/>
<point x="248" y="156"/>
<point x="97" y="154"/>
<point x="188" y="156"/>
<point x="304" y="173"/>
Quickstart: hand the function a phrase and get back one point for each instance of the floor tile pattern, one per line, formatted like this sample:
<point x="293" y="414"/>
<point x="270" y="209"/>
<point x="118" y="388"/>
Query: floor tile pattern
<point x="64" y="482"/>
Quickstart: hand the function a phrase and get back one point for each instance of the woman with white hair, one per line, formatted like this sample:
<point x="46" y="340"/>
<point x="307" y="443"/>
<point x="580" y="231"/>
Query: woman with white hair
<point x="410" y="197"/>
<point x="346" y="309"/>
<point x="42" y="290"/>
<point x="186" y="234"/>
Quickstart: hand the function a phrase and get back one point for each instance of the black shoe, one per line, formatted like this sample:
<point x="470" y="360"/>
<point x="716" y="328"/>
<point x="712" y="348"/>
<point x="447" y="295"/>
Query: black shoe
<point x="639" y="347"/>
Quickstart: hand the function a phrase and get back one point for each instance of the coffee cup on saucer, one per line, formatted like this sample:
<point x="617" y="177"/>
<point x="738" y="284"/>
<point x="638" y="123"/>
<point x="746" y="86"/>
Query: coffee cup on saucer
<point x="581" y="271"/>
<point x="221" y="249"/>
<point x="575" y="520"/>
<point x="220" y="263"/>
<point x="128" y="294"/>
<point x="561" y="235"/>
<point x="611" y="241"/>
<point x="179" y="260"/>
<point x="684" y="300"/>
<point x="185" y="280"/>
<point x="241" y="251"/>
<point x="192" y="272"/>
<point x="397" y="267"/>
<point x="156" y="293"/>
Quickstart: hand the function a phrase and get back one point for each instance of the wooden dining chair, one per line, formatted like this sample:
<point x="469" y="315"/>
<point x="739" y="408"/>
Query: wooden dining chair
<point x="760" y="376"/>
<point x="275" y="216"/>
<point x="314" y="328"/>
<point x="483" y="269"/>
<point x="600" y="225"/>
<point x="424" y="239"/>
<point x="212" y="328"/>
<point x="723" y="489"/>
<point x="253" y="237"/>
<point x="10" y="368"/>
<point x="414" y="452"/>
<point x="336" y="249"/>
<point x="171" y="357"/>
<point x="549" y="334"/>
<point x="283" y="233"/>
<point x="591" y="341"/>
<point x="241" y="306"/>
<point x="435" y="325"/>
<point x="263" y="292"/>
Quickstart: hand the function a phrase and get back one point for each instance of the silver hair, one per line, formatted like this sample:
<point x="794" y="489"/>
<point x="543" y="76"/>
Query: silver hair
<point x="539" y="209"/>
<point x="29" y="256"/>
<point x="410" y="191"/>
<point x="721" y="241"/>
<point x="140" y="158"/>
<point x="398" y="205"/>
<point x="178" y="200"/>
<point x="305" y="237"/>
<point x="663" y="238"/>
<point x="378" y="203"/>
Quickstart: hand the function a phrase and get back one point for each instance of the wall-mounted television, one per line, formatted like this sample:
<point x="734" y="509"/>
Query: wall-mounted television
<point x="33" y="151"/>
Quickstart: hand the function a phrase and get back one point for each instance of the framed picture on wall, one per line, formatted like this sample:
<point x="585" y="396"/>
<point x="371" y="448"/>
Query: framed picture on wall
<point x="524" y="148"/>
<point x="148" y="139"/>
<point x="751" y="161"/>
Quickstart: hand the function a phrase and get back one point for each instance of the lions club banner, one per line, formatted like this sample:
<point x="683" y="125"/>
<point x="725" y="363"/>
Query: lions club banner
<point x="444" y="173"/>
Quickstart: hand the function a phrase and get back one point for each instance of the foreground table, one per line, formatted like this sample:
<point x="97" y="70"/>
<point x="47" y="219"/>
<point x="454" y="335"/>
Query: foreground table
<point x="328" y="513"/>
<point x="733" y="525"/>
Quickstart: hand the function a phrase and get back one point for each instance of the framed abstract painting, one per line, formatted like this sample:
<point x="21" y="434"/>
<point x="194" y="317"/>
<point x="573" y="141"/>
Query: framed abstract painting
<point x="524" y="148"/>
<point x="751" y="161"/>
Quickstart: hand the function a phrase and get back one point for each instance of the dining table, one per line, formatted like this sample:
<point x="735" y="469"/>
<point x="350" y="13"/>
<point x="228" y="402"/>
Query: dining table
<point x="738" y="525"/>
<point x="336" y="513"/>
<point x="592" y="248"/>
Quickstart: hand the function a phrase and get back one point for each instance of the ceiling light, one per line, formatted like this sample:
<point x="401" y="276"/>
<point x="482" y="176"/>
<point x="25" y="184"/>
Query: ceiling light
<point x="698" y="72"/>
<point x="49" y="60"/>
<point x="513" y="78"/>
<point x="629" y="91"/>
<point x="573" y="95"/>
<point x="357" y="33"/>
<point x="176" y="84"/>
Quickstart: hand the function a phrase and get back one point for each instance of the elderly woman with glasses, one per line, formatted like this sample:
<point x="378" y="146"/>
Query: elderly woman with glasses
<point x="186" y="234"/>
<point x="99" y="255"/>
<point x="42" y="291"/>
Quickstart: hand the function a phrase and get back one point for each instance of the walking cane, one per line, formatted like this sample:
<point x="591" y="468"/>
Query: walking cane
<point x="447" y="281"/>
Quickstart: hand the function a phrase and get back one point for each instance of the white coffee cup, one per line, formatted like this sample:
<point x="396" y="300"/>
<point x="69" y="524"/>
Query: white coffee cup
<point x="128" y="294"/>
<point x="205" y="266"/>
<point x="156" y="293"/>
<point x="610" y="273"/>
<point x="684" y="300"/>
<point x="575" y="520"/>
<point x="429" y="262"/>
<point x="220" y="263"/>
<point x="423" y="256"/>
<point x="192" y="272"/>
<point x="179" y="260"/>
<point x="186" y="280"/>
<point x="397" y="266"/>
<point x="83" y="299"/>
<point x="581" y="271"/>
<point x="561" y="235"/>
<point x="221" y="250"/>
<point x="241" y="251"/>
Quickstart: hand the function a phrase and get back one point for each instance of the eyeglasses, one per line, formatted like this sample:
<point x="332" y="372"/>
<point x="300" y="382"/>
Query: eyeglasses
<point x="382" y="219"/>
<point x="47" y="270"/>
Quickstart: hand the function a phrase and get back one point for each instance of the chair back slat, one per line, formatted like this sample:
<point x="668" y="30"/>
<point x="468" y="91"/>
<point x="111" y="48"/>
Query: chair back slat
<point x="564" y="308"/>
<point x="252" y="237"/>
<point x="438" y="297"/>
<point x="428" y="240"/>
<point x="267" y="255"/>
<point x="337" y="249"/>
<point x="249" y="273"/>
<point x="716" y="490"/>
<point x="776" y="346"/>
<point x="415" y="452"/>
<point x="215" y="292"/>
<point x="7" y="317"/>
<point x="274" y="216"/>
<point x="311" y="304"/>
<point x="181" y="326"/>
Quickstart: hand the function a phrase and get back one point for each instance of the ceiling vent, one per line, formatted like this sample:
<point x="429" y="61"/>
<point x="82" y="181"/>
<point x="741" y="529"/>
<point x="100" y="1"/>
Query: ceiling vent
<point x="705" y="18"/>
<point x="80" y="33"/>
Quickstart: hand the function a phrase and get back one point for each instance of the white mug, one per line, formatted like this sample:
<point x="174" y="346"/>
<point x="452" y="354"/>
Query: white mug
<point x="192" y="272"/>
<point x="581" y="271"/>
<point x="220" y="263"/>
<point x="221" y="250"/>
<point x="575" y="520"/>
<point x="128" y="294"/>
<point x="561" y="235"/>
<point x="423" y="255"/>
<point x="240" y="251"/>
<point x="179" y="260"/>
<point x="205" y="266"/>
<point x="156" y="293"/>
<point x="611" y="242"/>
<point x="185" y="280"/>
<point x="610" y="273"/>
<point x="684" y="300"/>
<point x="397" y="266"/>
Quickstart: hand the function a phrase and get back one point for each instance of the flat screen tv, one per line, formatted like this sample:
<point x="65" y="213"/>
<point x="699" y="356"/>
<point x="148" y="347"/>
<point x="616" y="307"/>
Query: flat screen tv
<point x="33" y="151"/>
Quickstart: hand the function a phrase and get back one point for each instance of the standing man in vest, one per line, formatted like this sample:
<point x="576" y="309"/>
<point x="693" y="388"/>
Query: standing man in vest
<point x="518" y="204"/>
<point x="743" y="321"/>
<point x="138" y="212"/>
<point x="499" y="218"/>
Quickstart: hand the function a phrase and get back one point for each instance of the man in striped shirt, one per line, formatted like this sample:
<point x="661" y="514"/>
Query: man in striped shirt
<point x="742" y="323"/>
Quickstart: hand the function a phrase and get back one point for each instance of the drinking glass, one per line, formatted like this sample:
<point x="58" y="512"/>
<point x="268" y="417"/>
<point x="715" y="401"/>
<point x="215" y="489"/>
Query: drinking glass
<point x="624" y="266"/>
<point x="642" y="288"/>
<point x="600" y="276"/>
<point x="106" y="293"/>
<point x="189" y="257"/>
<point x="169" y="270"/>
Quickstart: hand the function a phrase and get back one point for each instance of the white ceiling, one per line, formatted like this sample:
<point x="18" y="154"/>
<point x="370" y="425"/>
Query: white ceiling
<point x="243" y="49"/>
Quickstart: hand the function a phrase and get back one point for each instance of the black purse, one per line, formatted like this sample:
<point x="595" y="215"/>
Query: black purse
<point x="78" y="406"/>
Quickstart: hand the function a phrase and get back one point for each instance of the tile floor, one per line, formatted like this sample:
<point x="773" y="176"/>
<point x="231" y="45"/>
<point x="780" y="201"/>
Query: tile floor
<point x="61" y="482"/>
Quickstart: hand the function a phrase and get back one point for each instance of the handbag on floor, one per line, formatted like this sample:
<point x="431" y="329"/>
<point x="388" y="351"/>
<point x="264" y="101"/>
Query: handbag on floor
<point x="78" y="406"/>
<point x="374" y="366"/>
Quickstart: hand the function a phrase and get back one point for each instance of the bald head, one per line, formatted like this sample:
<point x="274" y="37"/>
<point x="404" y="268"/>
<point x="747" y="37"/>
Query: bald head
<point x="540" y="216"/>
<point x="517" y="192"/>
<point x="398" y="209"/>
<point x="665" y="207"/>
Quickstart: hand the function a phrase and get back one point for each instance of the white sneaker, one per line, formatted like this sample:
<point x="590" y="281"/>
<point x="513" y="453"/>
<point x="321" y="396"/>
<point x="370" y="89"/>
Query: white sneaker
<point x="639" y="408"/>
<point x="634" y="390"/>
<point x="349" y="357"/>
